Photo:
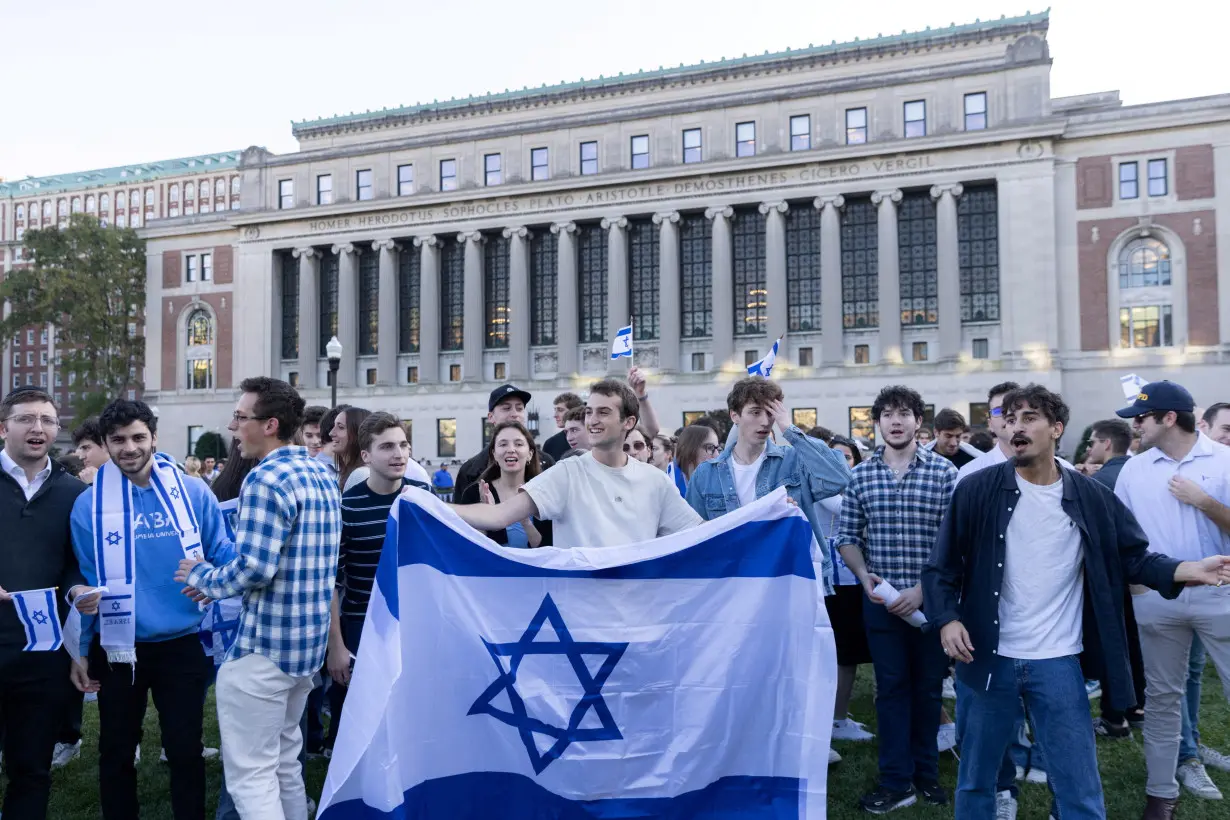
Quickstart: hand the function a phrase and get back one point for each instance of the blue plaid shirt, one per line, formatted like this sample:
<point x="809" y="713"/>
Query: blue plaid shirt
<point x="893" y="522"/>
<point x="285" y="565"/>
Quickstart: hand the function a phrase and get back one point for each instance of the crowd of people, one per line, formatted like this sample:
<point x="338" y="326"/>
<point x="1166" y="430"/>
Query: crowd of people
<point x="940" y="550"/>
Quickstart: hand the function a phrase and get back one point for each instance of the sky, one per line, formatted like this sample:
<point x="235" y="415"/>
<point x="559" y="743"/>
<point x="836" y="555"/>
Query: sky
<point x="91" y="84"/>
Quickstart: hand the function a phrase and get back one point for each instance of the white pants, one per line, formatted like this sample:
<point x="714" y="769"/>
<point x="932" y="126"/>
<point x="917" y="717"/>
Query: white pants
<point x="259" y="709"/>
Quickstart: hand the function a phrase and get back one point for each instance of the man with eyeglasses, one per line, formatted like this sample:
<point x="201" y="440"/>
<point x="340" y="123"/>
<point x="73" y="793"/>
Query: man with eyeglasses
<point x="1002" y="451"/>
<point x="36" y="552"/>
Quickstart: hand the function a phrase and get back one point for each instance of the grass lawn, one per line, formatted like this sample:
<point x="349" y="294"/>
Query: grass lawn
<point x="75" y="788"/>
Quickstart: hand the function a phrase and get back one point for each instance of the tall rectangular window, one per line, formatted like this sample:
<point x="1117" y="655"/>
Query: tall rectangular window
<point x="640" y="151"/>
<point x="643" y="263"/>
<point x="540" y="167"/>
<point x="290" y="307"/>
<point x="544" y="275"/>
<point x="1129" y="180"/>
<point x="692" y="148"/>
<point x="751" y="293"/>
<point x="1145" y="326"/>
<point x="405" y="180"/>
<point x="492" y="173"/>
<point x="978" y="253"/>
<point x="495" y="292"/>
<point x="745" y="139"/>
<point x="976" y="111"/>
<point x="920" y="351"/>
<point x="324" y="189"/>
<point x="916" y="118"/>
<point x="803" y="269"/>
<point x="916" y="258"/>
<point x="364" y="190"/>
<point x="327" y="301"/>
<point x="800" y="132"/>
<point x="286" y="194"/>
<point x="1157" y="177"/>
<point x="862" y="425"/>
<point x="856" y="126"/>
<point x="589" y="158"/>
<point x="207" y="267"/>
<point x="448" y="175"/>
<point x="980" y="350"/>
<point x="696" y="275"/>
<point x="860" y="284"/>
<point x="369" y="300"/>
<point x="452" y="294"/>
<point x="409" y="300"/>
<point x="592" y="271"/>
<point x="446" y="438"/>
<point x="191" y="268"/>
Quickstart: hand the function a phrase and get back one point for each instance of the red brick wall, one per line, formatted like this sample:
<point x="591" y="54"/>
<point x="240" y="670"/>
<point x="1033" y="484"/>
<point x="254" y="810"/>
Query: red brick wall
<point x="170" y="336"/>
<point x="1091" y="262"/>
<point x="172" y="273"/>
<point x="173" y="307"/>
<point x="1094" y="182"/>
<point x="224" y="264"/>
<point x="1193" y="173"/>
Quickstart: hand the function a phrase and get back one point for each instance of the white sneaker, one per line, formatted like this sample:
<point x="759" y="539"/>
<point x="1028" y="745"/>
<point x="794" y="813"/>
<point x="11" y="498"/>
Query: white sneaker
<point x="1196" y="780"/>
<point x="833" y="756"/>
<point x="64" y="754"/>
<point x="950" y="688"/>
<point x="162" y="755"/>
<point x="136" y="758"/>
<point x="311" y="806"/>
<point x="1093" y="689"/>
<point x="947" y="736"/>
<point x="850" y="729"/>
<point x="1020" y="773"/>
<point x="209" y="752"/>
<point x="1036" y="776"/>
<point x="1214" y="759"/>
<point x="1005" y="806"/>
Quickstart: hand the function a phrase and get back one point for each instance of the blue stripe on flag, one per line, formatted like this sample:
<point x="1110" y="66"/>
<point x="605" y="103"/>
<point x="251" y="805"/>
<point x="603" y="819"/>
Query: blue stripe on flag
<point x="506" y="796"/>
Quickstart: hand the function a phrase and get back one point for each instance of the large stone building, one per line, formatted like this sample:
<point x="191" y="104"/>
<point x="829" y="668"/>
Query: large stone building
<point x="914" y="209"/>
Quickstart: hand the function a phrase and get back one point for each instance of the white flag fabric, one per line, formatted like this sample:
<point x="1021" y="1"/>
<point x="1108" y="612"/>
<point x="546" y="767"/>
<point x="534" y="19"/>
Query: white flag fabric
<point x="36" y="608"/>
<point x="764" y="367"/>
<point x="1131" y="384"/>
<point x="623" y="343"/>
<point x="690" y="676"/>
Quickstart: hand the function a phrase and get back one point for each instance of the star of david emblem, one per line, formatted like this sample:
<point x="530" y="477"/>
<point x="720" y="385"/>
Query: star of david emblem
<point x="113" y="538"/>
<point x="115" y="606"/>
<point x="39" y="617"/>
<point x="173" y="492"/>
<point x="575" y="651"/>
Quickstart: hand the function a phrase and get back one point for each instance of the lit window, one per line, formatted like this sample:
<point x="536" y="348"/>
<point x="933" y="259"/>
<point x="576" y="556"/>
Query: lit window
<point x="976" y="111"/>
<point x="412" y="375"/>
<point x="448" y="175"/>
<point x="1144" y="263"/>
<point x="920" y="351"/>
<point x="286" y="194"/>
<point x="371" y="376"/>
<point x="540" y="168"/>
<point x="1129" y="180"/>
<point x="1157" y="177"/>
<point x="916" y="118"/>
<point x="207" y="267"/>
<point x="363" y="185"/>
<point x="405" y="180"/>
<point x="446" y="438"/>
<point x="862" y="354"/>
<point x="861" y="424"/>
<point x="640" y="151"/>
<point x="499" y="371"/>
<point x="190" y="268"/>
<point x="981" y="349"/>
<point x="856" y="126"/>
<point x="692" y="145"/>
<point x="1145" y="326"/>
<point x="745" y="139"/>
<point x="199" y="351"/>
<point x="454" y="372"/>
<point x="492" y="175"/>
<point x="800" y="132"/>
<point x="589" y="158"/>
<point x="324" y="189"/>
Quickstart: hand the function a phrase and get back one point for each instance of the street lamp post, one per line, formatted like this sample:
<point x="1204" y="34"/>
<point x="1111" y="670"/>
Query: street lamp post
<point x="334" y="351"/>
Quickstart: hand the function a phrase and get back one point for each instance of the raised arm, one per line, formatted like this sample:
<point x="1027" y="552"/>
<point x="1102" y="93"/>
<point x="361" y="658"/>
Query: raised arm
<point x="647" y="418"/>
<point x="825" y="467"/>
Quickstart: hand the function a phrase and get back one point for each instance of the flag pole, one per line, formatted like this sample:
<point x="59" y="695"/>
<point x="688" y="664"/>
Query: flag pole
<point x="631" y="344"/>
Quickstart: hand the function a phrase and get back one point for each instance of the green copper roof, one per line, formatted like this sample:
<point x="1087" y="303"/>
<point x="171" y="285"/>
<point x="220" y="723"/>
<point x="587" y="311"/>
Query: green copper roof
<point x="879" y="41"/>
<point x="120" y="175"/>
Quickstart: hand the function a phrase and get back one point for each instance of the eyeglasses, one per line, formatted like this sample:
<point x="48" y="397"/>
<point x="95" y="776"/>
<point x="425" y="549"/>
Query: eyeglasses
<point x="240" y="418"/>
<point x="640" y="445"/>
<point x="711" y="449"/>
<point x="31" y="420"/>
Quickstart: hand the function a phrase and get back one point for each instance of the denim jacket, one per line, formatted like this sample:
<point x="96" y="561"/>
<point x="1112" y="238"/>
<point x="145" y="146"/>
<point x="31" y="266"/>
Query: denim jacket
<point x="807" y="468"/>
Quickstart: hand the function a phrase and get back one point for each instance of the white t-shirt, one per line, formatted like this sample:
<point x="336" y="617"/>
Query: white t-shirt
<point x="828" y="513"/>
<point x="745" y="477"/>
<point x="1041" y="602"/>
<point x="592" y="505"/>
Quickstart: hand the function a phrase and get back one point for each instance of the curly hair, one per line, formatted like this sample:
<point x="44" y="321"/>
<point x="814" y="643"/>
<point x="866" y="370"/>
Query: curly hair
<point x="753" y="390"/>
<point x="532" y="467"/>
<point x="1039" y="398"/>
<point x="897" y="397"/>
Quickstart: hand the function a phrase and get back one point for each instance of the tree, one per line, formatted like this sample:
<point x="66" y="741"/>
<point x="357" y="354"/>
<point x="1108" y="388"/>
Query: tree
<point x="210" y="445"/>
<point x="88" y="281"/>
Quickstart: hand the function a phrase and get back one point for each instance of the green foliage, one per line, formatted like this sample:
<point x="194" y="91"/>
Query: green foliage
<point x="89" y="282"/>
<point x="1083" y="445"/>
<point x="210" y="445"/>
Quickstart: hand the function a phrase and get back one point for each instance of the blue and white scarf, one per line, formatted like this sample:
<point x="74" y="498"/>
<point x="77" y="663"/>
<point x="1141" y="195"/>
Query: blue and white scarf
<point x="114" y="547"/>
<point x="220" y="626"/>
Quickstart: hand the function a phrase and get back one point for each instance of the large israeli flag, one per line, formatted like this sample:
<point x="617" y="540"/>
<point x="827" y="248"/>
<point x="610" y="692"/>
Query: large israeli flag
<point x="687" y="677"/>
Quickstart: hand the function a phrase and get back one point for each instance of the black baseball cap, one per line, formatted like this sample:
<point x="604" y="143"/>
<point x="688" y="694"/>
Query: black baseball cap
<point x="505" y="391"/>
<point x="1159" y="396"/>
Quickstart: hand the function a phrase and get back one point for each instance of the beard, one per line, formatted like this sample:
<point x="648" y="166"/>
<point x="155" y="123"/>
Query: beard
<point x="904" y="445"/>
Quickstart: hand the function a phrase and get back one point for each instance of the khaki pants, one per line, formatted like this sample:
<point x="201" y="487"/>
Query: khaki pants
<point x="259" y="709"/>
<point x="1166" y="630"/>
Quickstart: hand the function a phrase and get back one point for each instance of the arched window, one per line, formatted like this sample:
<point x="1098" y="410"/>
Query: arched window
<point x="234" y="185"/>
<point x="121" y="200"/>
<point x="219" y="187"/>
<point x="199" y="350"/>
<point x="90" y="204"/>
<point x="104" y="202"/>
<point x="76" y="205"/>
<point x="46" y="209"/>
<point x="62" y="207"/>
<point x="21" y="213"/>
<point x="189" y="190"/>
<point x="1144" y="263"/>
<point x="149" y="196"/>
<point x="173" y="192"/>
<point x="1148" y="299"/>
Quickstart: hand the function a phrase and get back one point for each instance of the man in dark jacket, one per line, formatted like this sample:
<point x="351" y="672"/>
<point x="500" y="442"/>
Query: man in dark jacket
<point x="36" y="552"/>
<point x="1109" y="441"/>
<point x="557" y="444"/>
<point x="506" y="403"/>
<point x="1019" y="593"/>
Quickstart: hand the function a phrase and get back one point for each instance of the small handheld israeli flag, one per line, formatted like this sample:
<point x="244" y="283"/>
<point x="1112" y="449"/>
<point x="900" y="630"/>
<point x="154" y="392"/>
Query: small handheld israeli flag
<point x="1131" y="384"/>
<point x="764" y="367"/>
<point x="623" y="343"/>
<point x="37" y="610"/>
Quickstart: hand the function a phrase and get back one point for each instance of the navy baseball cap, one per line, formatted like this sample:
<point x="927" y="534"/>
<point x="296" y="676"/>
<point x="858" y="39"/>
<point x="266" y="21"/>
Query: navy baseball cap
<point x="505" y="391"/>
<point x="1159" y="396"/>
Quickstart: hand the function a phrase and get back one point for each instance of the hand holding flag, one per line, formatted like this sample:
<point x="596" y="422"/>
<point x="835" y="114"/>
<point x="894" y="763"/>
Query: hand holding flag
<point x="623" y="343"/>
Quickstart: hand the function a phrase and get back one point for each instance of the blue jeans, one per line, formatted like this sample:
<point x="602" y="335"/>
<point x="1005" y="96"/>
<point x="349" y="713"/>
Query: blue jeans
<point x="1054" y="694"/>
<point x="1189" y="741"/>
<point x="910" y="667"/>
<point x="1025" y="752"/>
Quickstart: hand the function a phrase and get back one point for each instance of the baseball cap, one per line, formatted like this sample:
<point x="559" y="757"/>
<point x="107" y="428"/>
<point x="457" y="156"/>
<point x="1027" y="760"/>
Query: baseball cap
<point x="505" y="391"/>
<point x="1159" y="396"/>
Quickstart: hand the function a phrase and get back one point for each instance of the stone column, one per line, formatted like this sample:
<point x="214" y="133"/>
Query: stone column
<point x="669" y="305"/>
<point x="347" y="312"/>
<point x="309" y="315"/>
<point x="723" y="285"/>
<point x="949" y="268"/>
<point x="889" y="276"/>
<point x="617" y="309"/>
<point x="474" y="328"/>
<point x="518" y="304"/>
<point x="832" y="321"/>
<point x="566" y="311"/>
<point x="429" y="309"/>
<point x="775" y="267"/>
<point x="386" y="320"/>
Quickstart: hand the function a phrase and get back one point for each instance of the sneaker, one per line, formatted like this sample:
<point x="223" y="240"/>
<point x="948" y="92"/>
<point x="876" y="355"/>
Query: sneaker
<point x="1005" y="806"/>
<point x="833" y="756"/>
<point x="1196" y="780"/>
<point x="933" y="793"/>
<point x="1036" y="776"/>
<point x="162" y="755"/>
<point x="1093" y="689"/>
<point x="1136" y="718"/>
<point x="1214" y="759"/>
<point x="1020" y="773"/>
<point x="850" y="729"/>
<point x="1104" y="728"/>
<point x="209" y="752"/>
<point x="882" y="801"/>
<point x="65" y="753"/>
<point x="950" y="688"/>
<point x="1159" y="808"/>
<point x="311" y="807"/>
<point x="136" y="757"/>
<point x="946" y="738"/>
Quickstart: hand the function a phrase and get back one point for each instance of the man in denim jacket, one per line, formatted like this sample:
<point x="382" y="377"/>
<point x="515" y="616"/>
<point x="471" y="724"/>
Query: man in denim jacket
<point x="754" y="465"/>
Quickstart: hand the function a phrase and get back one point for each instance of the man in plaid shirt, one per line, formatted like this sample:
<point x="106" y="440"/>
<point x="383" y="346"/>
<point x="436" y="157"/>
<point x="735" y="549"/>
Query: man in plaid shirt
<point x="890" y="516"/>
<point x="286" y="545"/>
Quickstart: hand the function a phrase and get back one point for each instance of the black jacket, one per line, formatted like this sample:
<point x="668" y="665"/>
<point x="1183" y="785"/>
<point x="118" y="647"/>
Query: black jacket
<point x="472" y="496"/>
<point x="472" y="469"/>
<point x="36" y="545"/>
<point x="556" y="445"/>
<point x="1109" y="474"/>
<point x="965" y="573"/>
